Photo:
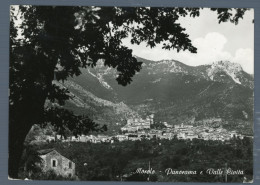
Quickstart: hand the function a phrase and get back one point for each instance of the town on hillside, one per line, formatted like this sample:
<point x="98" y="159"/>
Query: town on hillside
<point x="138" y="128"/>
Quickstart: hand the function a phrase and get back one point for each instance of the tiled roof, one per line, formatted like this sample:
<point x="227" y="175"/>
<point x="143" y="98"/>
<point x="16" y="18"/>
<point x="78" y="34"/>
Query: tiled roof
<point x="45" y="151"/>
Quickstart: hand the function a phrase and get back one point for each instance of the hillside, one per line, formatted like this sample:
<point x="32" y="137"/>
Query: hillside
<point x="175" y="92"/>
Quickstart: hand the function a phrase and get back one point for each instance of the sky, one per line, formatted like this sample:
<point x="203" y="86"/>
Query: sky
<point x="214" y="41"/>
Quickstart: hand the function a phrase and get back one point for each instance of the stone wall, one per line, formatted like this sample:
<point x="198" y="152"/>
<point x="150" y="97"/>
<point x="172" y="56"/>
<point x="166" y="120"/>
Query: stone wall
<point x="62" y="164"/>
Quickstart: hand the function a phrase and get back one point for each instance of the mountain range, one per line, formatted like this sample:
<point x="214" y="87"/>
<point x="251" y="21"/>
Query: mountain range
<point x="176" y="93"/>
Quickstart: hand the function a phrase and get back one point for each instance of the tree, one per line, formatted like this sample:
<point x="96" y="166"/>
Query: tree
<point x="56" y="42"/>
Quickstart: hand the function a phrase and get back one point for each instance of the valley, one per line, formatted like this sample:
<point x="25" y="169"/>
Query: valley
<point x="174" y="92"/>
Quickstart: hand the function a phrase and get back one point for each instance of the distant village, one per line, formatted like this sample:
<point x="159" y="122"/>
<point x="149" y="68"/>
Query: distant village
<point x="134" y="130"/>
<point x="138" y="128"/>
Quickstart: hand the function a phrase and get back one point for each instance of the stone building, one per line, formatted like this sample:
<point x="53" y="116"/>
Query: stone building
<point x="53" y="160"/>
<point x="135" y="124"/>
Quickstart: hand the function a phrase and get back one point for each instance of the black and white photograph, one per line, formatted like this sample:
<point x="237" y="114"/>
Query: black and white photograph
<point x="154" y="94"/>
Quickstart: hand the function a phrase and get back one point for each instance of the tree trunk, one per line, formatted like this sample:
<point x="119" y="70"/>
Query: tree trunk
<point x="17" y="135"/>
<point x="22" y="116"/>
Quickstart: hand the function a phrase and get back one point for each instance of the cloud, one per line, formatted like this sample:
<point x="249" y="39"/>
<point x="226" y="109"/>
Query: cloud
<point x="211" y="48"/>
<point x="245" y="57"/>
<point x="212" y="41"/>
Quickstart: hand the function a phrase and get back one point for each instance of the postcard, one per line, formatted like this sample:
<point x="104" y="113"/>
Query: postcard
<point x="155" y="94"/>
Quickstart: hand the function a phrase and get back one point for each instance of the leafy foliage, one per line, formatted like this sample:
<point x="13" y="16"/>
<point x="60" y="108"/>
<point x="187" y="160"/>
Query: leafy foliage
<point x="64" y="119"/>
<point x="225" y="14"/>
<point x="119" y="161"/>
<point x="30" y="163"/>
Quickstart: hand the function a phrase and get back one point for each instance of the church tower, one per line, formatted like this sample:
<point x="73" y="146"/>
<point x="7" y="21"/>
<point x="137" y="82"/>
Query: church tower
<point x="151" y="119"/>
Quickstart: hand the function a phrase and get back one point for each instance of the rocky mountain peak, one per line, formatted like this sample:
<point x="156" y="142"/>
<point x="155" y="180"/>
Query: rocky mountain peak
<point x="227" y="65"/>
<point x="231" y="69"/>
<point x="163" y="66"/>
